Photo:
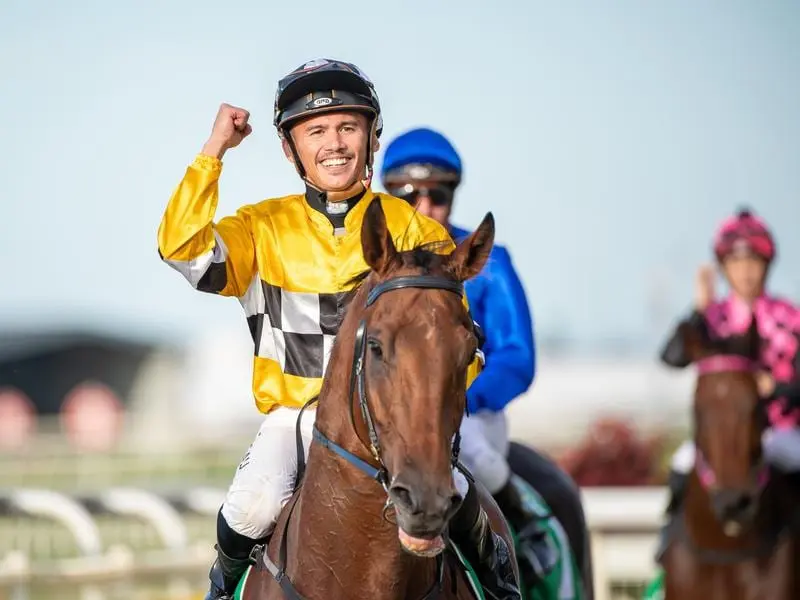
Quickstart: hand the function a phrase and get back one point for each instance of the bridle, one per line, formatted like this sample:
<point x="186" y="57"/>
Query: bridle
<point x="358" y="389"/>
<point x="358" y="392"/>
<point x="722" y="363"/>
<point x="708" y="479"/>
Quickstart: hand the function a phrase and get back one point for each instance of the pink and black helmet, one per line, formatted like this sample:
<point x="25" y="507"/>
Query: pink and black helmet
<point x="744" y="232"/>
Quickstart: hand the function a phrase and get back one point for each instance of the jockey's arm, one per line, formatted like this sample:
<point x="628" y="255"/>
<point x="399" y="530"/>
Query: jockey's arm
<point x="510" y="347"/>
<point x="674" y="354"/>
<point x="215" y="258"/>
<point x="791" y="389"/>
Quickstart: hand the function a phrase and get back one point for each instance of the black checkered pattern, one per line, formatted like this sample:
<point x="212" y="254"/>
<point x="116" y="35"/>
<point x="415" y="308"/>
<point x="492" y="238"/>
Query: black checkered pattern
<point x="297" y="329"/>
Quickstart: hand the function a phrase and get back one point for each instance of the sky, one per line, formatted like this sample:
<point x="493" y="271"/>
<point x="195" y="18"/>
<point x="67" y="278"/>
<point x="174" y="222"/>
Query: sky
<point x="608" y="139"/>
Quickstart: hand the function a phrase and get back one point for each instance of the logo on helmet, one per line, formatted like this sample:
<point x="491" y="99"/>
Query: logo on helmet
<point x="322" y="102"/>
<point x="418" y="171"/>
<point x="741" y="246"/>
<point x="314" y="64"/>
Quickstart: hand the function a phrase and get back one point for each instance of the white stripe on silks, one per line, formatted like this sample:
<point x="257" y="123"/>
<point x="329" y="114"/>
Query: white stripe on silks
<point x="193" y="270"/>
<point x="272" y="344"/>
<point x="327" y="348"/>
<point x="300" y="312"/>
<point x="253" y="300"/>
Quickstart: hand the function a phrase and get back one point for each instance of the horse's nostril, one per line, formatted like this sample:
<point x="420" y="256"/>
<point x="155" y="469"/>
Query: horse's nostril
<point x="401" y="496"/>
<point x="732" y="504"/>
<point x="455" y="503"/>
<point x="744" y="502"/>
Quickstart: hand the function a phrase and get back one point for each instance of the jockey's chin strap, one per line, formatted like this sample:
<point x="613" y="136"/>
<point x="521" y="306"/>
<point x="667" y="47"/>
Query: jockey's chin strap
<point x="379" y="473"/>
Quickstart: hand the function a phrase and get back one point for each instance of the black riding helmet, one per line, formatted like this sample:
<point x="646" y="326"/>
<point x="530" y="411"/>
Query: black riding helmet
<point x="325" y="85"/>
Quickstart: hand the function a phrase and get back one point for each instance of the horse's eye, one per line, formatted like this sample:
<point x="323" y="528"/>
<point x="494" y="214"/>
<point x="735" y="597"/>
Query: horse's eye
<point x="375" y="347"/>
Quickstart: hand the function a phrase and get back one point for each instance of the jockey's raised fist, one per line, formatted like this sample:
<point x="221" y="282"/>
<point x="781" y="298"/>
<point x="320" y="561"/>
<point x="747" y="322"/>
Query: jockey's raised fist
<point x="230" y="128"/>
<point x="704" y="287"/>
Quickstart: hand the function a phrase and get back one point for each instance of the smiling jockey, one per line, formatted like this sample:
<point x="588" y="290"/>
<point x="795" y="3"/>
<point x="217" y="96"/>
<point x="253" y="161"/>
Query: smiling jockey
<point x="290" y="262"/>
<point x="745" y="250"/>
<point x="422" y="167"/>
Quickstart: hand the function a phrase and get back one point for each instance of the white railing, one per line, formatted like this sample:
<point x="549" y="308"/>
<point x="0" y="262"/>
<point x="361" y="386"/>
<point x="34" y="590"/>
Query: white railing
<point x="623" y="522"/>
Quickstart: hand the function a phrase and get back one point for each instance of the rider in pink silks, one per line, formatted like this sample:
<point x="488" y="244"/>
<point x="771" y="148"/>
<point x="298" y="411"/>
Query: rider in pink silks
<point x="745" y="250"/>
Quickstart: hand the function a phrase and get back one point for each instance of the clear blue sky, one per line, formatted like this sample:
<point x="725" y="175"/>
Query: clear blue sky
<point x="607" y="141"/>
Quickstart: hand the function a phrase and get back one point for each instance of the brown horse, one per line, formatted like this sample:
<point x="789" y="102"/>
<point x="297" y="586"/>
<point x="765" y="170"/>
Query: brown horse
<point x="731" y="539"/>
<point x="389" y="410"/>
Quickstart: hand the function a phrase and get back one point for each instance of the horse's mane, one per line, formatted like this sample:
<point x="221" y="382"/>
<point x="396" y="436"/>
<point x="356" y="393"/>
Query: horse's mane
<point x="424" y="257"/>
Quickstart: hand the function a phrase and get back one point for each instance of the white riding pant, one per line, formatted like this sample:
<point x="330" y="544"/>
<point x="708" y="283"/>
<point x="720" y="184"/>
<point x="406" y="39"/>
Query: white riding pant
<point x="265" y="478"/>
<point x="484" y="448"/>
<point x="781" y="450"/>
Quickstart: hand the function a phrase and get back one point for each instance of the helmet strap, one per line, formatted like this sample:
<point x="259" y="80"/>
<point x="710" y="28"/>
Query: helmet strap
<point x="297" y="164"/>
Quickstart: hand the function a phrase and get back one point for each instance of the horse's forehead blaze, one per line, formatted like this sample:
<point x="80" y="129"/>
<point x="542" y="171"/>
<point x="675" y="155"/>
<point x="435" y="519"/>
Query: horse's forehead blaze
<point x="722" y="388"/>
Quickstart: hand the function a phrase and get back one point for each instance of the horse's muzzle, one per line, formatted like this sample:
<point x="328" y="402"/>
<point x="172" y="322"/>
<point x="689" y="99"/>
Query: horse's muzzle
<point x="734" y="508"/>
<point x="423" y="510"/>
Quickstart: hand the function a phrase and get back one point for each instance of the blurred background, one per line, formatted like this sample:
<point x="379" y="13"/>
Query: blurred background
<point x="609" y="139"/>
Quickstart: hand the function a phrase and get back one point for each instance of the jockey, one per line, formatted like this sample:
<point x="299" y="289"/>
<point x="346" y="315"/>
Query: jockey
<point x="286" y="261"/>
<point x="745" y="249"/>
<point x="422" y="167"/>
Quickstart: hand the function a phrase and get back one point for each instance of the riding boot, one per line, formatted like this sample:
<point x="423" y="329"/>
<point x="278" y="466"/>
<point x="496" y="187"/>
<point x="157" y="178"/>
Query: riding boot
<point x="233" y="558"/>
<point x="225" y="574"/>
<point x="677" y="490"/>
<point x="535" y="556"/>
<point x="486" y="551"/>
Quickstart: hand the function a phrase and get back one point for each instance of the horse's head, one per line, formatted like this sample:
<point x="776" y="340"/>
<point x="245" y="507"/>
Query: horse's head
<point x="416" y="341"/>
<point x="729" y="420"/>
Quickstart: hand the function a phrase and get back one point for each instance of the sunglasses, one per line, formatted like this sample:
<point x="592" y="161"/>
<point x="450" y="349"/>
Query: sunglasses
<point x="439" y="194"/>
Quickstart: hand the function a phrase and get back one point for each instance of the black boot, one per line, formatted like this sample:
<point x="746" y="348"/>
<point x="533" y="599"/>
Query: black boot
<point x="677" y="489"/>
<point x="224" y="575"/>
<point x="233" y="558"/>
<point x="535" y="555"/>
<point x="486" y="551"/>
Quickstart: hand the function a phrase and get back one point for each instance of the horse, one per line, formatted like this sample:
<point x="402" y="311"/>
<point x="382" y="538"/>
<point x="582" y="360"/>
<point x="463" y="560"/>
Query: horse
<point x="732" y="537"/>
<point x="385" y="437"/>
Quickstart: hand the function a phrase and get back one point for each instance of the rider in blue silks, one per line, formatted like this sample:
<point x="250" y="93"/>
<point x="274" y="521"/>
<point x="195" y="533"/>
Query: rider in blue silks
<point x="422" y="167"/>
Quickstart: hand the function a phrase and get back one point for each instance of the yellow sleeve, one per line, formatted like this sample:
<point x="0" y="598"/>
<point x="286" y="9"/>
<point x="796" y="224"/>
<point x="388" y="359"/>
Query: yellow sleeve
<point x="431" y="231"/>
<point x="216" y="258"/>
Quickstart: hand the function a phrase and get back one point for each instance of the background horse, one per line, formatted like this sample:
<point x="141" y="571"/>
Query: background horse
<point x="391" y="403"/>
<point x="731" y="539"/>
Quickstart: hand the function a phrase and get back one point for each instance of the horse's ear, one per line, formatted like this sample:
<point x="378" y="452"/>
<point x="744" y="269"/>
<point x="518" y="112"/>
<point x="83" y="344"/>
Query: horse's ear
<point x="376" y="239"/>
<point x="471" y="255"/>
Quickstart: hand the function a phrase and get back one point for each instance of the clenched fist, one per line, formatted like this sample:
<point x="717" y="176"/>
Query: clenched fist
<point x="704" y="287"/>
<point x="230" y="128"/>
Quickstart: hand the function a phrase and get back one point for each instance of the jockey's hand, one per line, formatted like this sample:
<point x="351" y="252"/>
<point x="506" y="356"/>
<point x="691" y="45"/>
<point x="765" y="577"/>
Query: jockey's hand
<point x="704" y="287"/>
<point x="765" y="383"/>
<point x="230" y="128"/>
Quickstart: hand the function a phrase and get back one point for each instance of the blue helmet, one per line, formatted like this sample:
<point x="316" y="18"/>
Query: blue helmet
<point x="421" y="146"/>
